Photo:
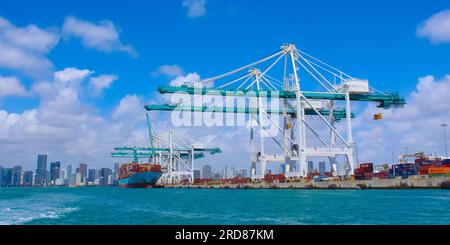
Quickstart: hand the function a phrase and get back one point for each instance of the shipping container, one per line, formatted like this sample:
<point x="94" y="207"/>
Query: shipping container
<point x="367" y="167"/>
<point x="438" y="170"/>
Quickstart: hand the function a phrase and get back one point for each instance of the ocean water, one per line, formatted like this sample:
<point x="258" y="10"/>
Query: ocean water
<point x="110" y="205"/>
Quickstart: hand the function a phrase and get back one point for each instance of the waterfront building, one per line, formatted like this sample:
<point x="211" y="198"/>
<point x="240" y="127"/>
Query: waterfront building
<point x="72" y="180"/>
<point x="243" y="173"/>
<point x="27" y="179"/>
<point x="82" y="169"/>
<point x="207" y="172"/>
<point x="116" y="170"/>
<point x="41" y="170"/>
<point x="17" y="176"/>
<point x="196" y="174"/>
<point x="104" y="173"/>
<point x="217" y="176"/>
<point x="8" y="179"/>
<point x="91" y="175"/>
<point x="322" y="168"/>
<point x="78" y="179"/>
<point x="2" y="175"/>
<point x="63" y="174"/>
<point x="310" y="166"/>
<point x="55" y="168"/>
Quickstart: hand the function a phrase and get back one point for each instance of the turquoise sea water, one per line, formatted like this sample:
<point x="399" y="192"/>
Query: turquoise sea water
<point x="111" y="205"/>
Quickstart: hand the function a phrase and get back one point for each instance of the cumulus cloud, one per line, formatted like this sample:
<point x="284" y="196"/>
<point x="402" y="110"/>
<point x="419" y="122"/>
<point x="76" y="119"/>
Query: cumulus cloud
<point x="195" y="8"/>
<point x="24" y="48"/>
<point x="436" y="28"/>
<point x="67" y="128"/>
<point x="99" y="83"/>
<point x="129" y="108"/>
<point x="11" y="86"/>
<point x="168" y="70"/>
<point x="190" y="78"/>
<point x="102" y="36"/>
<point x="416" y="127"/>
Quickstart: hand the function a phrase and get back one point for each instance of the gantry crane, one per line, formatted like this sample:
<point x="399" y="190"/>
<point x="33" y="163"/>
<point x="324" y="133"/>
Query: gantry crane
<point x="176" y="160"/>
<point x="296" y="100"/>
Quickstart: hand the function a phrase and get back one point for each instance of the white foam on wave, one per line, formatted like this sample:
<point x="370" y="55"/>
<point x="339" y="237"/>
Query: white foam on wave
<point x="22" y="211"/>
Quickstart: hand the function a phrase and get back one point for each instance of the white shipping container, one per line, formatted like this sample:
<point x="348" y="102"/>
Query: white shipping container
<point x="357" y="86"/>
<point x="318" y="104"/>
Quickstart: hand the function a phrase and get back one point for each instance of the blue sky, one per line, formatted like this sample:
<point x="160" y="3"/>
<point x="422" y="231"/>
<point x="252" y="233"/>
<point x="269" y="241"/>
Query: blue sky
<point x="377" y="40"/>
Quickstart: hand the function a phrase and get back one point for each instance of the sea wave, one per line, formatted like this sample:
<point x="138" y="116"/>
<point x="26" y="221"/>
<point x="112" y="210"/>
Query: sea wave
<point x="19" y="216"/>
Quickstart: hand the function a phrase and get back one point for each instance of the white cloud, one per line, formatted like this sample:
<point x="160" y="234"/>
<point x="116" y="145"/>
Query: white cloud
<point x="25" y="48"/>
<point x="129" y="108"/>
<point x="102" y="36"/>
<point x="168" y="70"/>
<point x="195" y="8"/>
<point x="66" y="128"/>
<point x="436" y="28"/>
<point x="416" y="126"/>
<point x="188" y="79"/>
<point x="71" y="74"/>
<point x="11" y="86"/>
<point x="102" y="82"/>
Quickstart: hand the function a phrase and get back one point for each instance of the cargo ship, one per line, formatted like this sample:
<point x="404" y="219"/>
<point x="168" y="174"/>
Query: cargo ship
<point x="135" y="175"/>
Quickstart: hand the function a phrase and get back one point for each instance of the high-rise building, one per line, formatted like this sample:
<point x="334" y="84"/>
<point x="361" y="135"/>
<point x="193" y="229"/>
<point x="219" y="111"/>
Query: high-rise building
<point x="27" y="178"/>
<point x="82" y="169"/>
<point x="91" y="175"/>
<point x="17" y="176"/>
<point x="41" y="170"/>
<point x="322" y="168"/>
<point x="310" y="166"/>
<point x="55" y="167"/>
<point x="63" y="177"/>
<point x="196" y="174"/>
<point x="2" y="175"/>
<point x="69" y="169"/>
<point x="243" y="173"/>
<point x="104" y="176"/>
<point x="8" y="177"/>
<point x="207" y="172"/>
<point x="78" y="179"/>
<point x="72" y="179"/>
<point x="225" y="172"/>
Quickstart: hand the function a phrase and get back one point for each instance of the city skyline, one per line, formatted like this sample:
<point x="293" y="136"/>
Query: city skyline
<point x="76" y="95"/>
<point x="56" y="175"/>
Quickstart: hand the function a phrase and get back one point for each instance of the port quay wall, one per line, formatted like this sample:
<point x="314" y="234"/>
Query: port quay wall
<point x="411" y="183"/>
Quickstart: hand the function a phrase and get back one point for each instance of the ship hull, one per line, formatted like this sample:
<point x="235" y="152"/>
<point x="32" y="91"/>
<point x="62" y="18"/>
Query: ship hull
<point x="140" y="180"/>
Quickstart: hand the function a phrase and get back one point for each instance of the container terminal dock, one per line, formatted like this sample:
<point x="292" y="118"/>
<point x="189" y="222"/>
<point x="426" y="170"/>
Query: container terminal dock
<point x="284" y="90"/>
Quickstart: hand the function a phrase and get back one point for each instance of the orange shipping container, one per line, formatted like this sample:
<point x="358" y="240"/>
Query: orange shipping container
<point x="439" y="171"/>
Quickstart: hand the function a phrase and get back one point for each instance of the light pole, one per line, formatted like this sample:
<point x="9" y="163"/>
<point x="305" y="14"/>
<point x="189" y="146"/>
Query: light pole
<point x="445" y="139"/>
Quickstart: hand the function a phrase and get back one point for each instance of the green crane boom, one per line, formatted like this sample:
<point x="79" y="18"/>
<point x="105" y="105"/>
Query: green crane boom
<point x="339" y="114"/>
<point x="384" y="100"/>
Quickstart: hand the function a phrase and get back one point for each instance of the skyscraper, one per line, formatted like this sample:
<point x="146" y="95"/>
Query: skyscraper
<point x="8" y="176"/>
<point x="2" y="175"/>
<point x="27" y="178"/>
<point x="196" y="174"/>
<point x="104" y="176"/>
<point x="54" y="170"/>
<point x="91" y="175"/>
<point x="243" y="173"/>
<point x="83" y="170"/>
<point x="310" y="166"/>
<point x="322" y="168"/>
<point x="41" y="170"/>
<point x="17" y="175"/>
<point x="207" y="172"/>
